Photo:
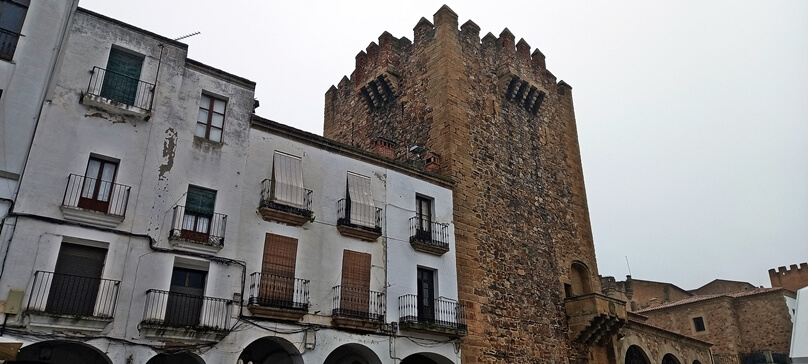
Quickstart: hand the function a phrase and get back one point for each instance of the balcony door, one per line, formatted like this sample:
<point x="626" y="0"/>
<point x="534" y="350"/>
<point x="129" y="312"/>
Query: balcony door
<point x="277" y="286"/>
<point x="98" y="185"/>
<point x="355" y="288"/>
<point x="199" y="205"/>
<point x="423" y="212"/>
<point x="426" y="295"/>
<point x="122" y="76"/>
<point x="76" y="278"/>
<point x="185" y="297"/>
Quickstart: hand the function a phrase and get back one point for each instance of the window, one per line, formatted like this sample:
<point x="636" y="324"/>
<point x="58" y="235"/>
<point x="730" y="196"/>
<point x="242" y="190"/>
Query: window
<point x="277" y="286"/>
<point x="355" y="291"/>
<point x="122" y="76"/>
<point x="210" y="120"/>
<point x="423" y="213"/>
<point x="698" y="323"/>
<point x="76" y="279"/>
<point x="12" y="15"/>
<point x="199" y="205"/>
<point x="426" y="295"/>
<point x="184" y="305"/>
<point x="360" y="208"/>
<point x="287" y="181"/>
<point x="98" y="184"/>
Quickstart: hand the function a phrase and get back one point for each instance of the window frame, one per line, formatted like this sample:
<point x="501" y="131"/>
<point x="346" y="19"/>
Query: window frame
<point x="194" y="229"/>
<point x="423" y="211"/>
<point x="15" y="34"/>
<point x="699" y="324"/>
<point x="210" y="110"/>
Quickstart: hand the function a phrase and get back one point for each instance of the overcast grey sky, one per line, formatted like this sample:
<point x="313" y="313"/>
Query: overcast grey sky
<point x="692" y="115"/>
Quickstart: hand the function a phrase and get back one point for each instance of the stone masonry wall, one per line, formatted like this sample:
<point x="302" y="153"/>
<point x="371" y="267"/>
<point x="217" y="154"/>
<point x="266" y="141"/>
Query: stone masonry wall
<point x="721" y="326"/>
<point x="504" y="129"/>
<point x="764" y="322"/>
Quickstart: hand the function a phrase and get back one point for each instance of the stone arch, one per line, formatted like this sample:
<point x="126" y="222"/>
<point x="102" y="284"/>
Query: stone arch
<point x="670" y="359"/>
<point x="579" y="279"/>
<point x="352" y="354"/>
<point x="270" y="350"/>
<point x="62" y="352"/>
<point x="696" y="362"/>
<point x="635" y="355"/>
<point x="176" y="358"/>
<point x="426" y="358"/>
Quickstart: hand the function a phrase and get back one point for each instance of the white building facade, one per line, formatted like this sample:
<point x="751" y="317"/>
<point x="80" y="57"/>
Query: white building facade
<point x="159" y="221"/>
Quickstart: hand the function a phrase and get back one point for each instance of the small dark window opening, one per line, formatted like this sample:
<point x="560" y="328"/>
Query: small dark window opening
<point x="567" y="290"/>
<point x="698" y="322"/>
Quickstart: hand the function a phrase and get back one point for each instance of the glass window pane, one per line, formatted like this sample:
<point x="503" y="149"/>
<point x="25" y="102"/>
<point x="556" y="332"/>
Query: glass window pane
<point x="200" y="130"/>
<point x="218" y="106"/>
<point x="216" y="134"/>
<point x="204" y="102"/>
<point x="217" y="120"/>
<point x="202" y="116"/>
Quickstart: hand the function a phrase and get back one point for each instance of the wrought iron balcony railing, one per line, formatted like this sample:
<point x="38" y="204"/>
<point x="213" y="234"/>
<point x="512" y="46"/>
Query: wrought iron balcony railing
<point x="292" y="199"/>
<point x="278" y="291"/>
<point x="8" y="43"/>
<point x="121" y="88"/>
<point x="207" y="229"/>
<point x="358" y="303"/>
<point x="97" y="195"/>
<point x="429" y="232"/>
<point x="359" y="216"/>
<point x="66" y="294"/>
<point x="438" y="312"/>
<point x="174" y="309"/>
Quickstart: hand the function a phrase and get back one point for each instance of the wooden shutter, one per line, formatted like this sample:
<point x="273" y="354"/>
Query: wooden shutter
<point x="280" y="254"/>
<point x="200" y="201"/>
<point x="277" y="286"/>
<point x="355" y="290"/>
<point x="287" y="176"/>
<point x="363" y="211"/>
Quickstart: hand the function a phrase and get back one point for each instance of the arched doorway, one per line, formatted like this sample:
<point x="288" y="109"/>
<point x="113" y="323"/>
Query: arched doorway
<point x="426" y="358"/>
<point x="270" y="351"/>
<point x="352" y="354"/>
<point x="669" y="359"/>
<point x="635" y="355"/>
<point x="62" y="352"/>
<point x="579" y="278"/>
<point x="176" y="358"/>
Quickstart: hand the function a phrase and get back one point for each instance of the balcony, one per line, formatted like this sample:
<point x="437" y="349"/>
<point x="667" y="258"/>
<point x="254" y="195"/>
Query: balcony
<point x="285" y="203"/>
<point x="593" y="317"/>
<point x="8" y="43"/>
<point x="94" y="201"/>
<point x="357" y="308"/>
<point x="429" y="237"/>
<point x="203" y="232"/>
<point x="361" y="222"/>
<point x="278" y="297"/>
<point x="64" y="301"/>
<point x="179" y="316"/>
<point x="443" y="317"/>
<point x="118" y="93"/>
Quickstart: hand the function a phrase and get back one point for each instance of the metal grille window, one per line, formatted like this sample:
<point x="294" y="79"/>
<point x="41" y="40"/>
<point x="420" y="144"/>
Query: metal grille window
<point x="12" y="15"/>
<point x="360" y="201"/>
<point x="287" y="178"/>
<point x="210" y="119"/>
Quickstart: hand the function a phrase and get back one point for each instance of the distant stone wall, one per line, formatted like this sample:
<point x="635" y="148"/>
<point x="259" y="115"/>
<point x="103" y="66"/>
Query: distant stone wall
<point x="791" y="279"/>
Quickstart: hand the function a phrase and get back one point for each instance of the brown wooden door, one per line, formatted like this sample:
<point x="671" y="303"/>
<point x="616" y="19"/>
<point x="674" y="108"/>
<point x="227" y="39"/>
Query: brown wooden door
<point x="355" y="289"/>
<point x="98" y="186"/>
<point x="277" y="286"/>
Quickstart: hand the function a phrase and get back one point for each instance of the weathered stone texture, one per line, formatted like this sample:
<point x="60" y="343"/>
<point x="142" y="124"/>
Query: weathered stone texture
<point x="521" y="217"/>
<point x="655" y="343"/>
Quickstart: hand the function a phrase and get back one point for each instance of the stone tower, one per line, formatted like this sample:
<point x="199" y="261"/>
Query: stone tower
<point x="492" y="117"/>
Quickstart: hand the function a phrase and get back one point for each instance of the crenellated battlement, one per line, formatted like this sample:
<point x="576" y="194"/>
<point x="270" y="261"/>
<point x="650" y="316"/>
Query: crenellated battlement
<point x="385" y="55"/>
<point x="792" y="278"/>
